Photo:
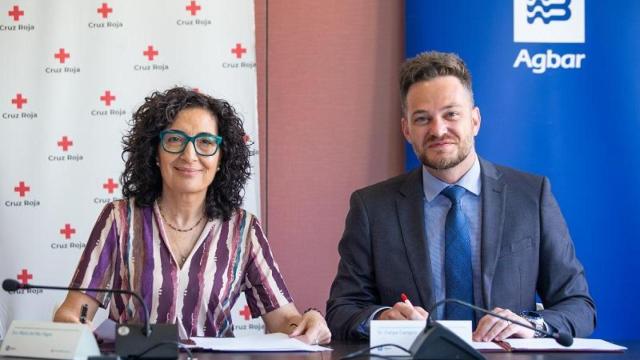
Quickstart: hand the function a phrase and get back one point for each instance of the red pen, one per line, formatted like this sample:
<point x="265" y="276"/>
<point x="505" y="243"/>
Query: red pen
<point x="405" y="299"/>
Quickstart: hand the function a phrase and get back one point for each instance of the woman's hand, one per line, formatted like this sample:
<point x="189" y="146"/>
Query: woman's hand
<point x="70" y="310"/>
<point x="312" y="329"/>
<point x="309" y="327"/>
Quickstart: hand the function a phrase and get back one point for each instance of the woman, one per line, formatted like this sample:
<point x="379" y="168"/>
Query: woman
<point x="179" y="237"/>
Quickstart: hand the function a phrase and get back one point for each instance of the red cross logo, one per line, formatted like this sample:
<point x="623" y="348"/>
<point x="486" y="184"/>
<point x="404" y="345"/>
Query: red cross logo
<point x="19" y="101"/>
<point x="107" y="98"/>
<point x="67" y="231"/>
<point x="65" y="143"/>
<point x="246" y="313"/>
<point x="62" y="56"/>
<point x="16" y="13"/>
<point x="24" y="276"/>
<point x="239" y="50"/>
<point x="193" y="7"/>
<point x="150" y="52"/>
<point x="105" y="10"/>
<point x="110" y="185"/>
<point x="22" y="188"/>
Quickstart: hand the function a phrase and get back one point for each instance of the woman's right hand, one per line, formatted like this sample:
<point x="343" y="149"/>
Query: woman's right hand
<point x="312" y="329"/>
<point x="71" y="308"/>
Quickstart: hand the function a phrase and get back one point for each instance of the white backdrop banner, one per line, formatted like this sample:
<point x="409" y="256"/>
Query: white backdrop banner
<point x="72" y="73"/>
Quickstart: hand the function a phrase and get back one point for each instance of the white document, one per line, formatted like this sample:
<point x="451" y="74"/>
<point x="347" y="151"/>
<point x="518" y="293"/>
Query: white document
<point x="547" y="344"/>
<point x="404" y="332"/>
<point x="256" y="343"/>
<point x="488" y="346"/>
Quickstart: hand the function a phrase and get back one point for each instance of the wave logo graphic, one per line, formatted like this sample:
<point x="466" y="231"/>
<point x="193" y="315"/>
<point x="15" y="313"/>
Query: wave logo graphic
<point x="548" y="10"/>
<point x="548" y="21"/>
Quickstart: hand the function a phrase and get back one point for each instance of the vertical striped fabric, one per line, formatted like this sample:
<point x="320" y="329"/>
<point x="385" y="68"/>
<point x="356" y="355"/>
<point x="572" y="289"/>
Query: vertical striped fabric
<point x="128" y="249"/>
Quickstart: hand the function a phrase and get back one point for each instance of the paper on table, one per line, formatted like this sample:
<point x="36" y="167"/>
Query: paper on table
<point x="488" y="346"/>
<point x="547" y="344"/>
<point x="255" y="343"/>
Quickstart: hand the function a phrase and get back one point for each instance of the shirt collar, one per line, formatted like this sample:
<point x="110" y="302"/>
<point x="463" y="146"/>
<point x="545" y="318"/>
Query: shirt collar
<point x="470" y="181"/>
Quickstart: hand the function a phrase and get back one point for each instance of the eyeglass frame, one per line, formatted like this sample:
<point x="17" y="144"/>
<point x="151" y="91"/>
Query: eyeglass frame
<point x="190" y="139"/>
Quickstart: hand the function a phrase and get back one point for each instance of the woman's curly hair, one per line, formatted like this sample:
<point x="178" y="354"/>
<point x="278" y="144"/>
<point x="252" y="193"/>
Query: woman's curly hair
<point x="141" y="178"/>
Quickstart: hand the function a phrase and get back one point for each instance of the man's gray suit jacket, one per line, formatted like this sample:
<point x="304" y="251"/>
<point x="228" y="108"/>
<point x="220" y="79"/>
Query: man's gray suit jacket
<point x="525" y="250"/>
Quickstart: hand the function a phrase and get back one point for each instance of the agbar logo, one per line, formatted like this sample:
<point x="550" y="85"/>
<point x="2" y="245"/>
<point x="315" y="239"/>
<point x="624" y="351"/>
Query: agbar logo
<point x="548" y="11"/>
<point x="539" y="63"/>
<point x="548" y="21"/>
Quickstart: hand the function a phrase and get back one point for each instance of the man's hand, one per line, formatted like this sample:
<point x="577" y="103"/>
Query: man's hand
<point x="491" y="328"/>
<point x="404" y="311"/>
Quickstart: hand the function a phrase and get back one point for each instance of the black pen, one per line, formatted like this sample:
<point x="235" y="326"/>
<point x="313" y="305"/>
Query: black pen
<point x="83" y="313"/>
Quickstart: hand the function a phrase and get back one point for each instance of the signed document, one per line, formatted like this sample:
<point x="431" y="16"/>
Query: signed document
<point x="540" y="345"/>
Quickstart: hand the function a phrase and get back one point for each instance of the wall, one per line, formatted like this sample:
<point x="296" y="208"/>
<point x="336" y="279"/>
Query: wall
<point x="329" y="123"/>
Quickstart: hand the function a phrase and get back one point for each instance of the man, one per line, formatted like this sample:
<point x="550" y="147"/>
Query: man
<point x="458" y="227"/>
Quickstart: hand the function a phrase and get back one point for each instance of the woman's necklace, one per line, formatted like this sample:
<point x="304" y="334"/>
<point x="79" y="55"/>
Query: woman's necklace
<point x="175" y="227"/>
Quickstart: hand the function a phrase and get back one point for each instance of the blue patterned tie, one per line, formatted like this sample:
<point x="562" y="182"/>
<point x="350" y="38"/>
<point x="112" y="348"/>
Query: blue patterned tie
<point x="457" y="257"/>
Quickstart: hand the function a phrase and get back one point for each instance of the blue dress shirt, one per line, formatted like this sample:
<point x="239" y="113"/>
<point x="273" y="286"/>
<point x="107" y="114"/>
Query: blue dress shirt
<point x="436" y="207"/>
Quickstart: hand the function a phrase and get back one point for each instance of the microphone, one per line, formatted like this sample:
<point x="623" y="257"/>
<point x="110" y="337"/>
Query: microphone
<point x="438" y="342"/>
<point x="561" y="338"/>
<point x="163" y="343"/>
<point x="10" y="285"/>
<point x="13" y="285"/>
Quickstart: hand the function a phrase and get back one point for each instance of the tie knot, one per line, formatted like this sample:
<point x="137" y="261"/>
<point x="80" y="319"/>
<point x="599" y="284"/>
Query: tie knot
<point x="454" y="193"/>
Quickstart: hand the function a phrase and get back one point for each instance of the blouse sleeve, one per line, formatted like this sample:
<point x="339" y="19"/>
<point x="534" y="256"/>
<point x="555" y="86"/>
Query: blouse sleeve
<point x="96" y="266"/>
<point x="265" y="289"/>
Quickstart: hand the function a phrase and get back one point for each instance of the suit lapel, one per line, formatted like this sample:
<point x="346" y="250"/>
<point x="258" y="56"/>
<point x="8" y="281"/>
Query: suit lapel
<point x="493" y="207"/>
<point x="410" y="207"/>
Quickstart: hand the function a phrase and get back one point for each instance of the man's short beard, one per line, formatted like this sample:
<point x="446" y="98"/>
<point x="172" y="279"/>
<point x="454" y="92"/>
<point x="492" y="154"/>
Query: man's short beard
<point x="443" y="164"/>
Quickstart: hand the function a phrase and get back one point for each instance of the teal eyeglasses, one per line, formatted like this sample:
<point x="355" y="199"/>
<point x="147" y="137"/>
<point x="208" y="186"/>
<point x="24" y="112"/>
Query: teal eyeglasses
<point x="175" y="141"/>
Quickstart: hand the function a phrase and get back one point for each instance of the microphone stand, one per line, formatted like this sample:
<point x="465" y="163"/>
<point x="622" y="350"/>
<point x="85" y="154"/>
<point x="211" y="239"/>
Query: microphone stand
<point x="146" y="331"/>
<point x="561" y="338"/>
<point x="438" y="342"/>
<point x="131" y="339"/>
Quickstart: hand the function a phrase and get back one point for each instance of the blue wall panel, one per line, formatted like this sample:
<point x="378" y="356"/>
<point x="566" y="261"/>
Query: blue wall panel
<point x="578" y="126"/>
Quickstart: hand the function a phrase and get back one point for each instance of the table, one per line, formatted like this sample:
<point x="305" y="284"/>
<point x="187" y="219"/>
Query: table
<point x="342" y="348"/>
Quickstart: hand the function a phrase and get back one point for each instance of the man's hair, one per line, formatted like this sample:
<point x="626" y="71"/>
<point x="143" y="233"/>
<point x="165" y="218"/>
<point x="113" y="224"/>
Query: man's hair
<point x="430" y="65"/>
<point x="141" y="178"/>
